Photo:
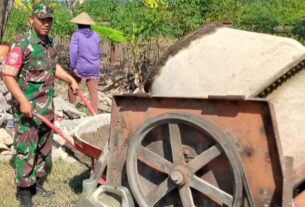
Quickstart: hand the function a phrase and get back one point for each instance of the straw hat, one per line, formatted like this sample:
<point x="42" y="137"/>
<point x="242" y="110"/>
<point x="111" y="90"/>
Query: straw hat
<point x="83" y="19"/>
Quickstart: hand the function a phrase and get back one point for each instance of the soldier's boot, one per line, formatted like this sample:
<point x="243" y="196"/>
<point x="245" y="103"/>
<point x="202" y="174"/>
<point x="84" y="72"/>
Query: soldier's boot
<point x="24" y="196"/>
<point x="41" y="190"/>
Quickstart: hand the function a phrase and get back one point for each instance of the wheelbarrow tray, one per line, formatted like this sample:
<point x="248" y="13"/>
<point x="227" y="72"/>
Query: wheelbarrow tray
<point x="90" y="125"/>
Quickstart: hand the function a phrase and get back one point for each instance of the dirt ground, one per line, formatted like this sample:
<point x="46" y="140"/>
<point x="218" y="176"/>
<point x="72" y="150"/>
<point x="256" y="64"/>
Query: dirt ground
<point x="65" y="180"/>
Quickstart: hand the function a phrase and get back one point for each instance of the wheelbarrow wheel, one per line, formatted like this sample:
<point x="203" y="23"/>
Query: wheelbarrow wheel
<point x="178" y="159"/>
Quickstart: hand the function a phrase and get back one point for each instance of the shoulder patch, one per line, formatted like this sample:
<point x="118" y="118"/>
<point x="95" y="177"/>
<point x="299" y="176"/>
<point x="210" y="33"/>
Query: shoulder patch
<point x="14" y="57"/>
<point x="12" y="62"/>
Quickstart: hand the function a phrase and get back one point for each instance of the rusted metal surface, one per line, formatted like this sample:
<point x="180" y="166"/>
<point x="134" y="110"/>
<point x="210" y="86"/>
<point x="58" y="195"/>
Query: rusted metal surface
<point x="299" y="175"/>
<point x="248" y="124"/>
<point x="87" y="148"/>
<point x="288" y="182"/>
<point x="298" y="182"/>
<point x="299" y="201"/>
<point x="245" y="63"/>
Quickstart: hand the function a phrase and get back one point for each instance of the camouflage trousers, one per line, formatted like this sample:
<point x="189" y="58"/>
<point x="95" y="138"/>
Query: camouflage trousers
<point x="33" y="145"/>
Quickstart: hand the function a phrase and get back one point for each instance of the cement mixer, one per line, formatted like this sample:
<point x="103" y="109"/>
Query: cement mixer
<point x="219" y="129"/>
<point x="219" y="60"/>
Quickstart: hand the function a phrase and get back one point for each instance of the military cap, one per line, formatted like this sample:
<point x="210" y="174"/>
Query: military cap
<point x="42" y="11"/>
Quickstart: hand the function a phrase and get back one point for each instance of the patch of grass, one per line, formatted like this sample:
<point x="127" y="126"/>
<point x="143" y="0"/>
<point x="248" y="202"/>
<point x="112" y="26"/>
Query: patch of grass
<point x="61" y="88"/>
<point x="7" y="187"/>
<point x="65" y="179"/>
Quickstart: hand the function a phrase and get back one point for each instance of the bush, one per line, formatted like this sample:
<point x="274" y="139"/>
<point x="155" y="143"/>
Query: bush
<point x="61" y="23"/>
<point x="175" y="18"/>
<point x="257" y="17"/>
<point x="99" y="10"/>
<point x="299" y="30"/>
<point x="18" y="23"/>
<point x="221" y="10"/>
<point x="186" y="16"/>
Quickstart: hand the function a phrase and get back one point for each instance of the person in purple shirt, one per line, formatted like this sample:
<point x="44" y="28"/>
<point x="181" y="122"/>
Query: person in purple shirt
<point x="85" y="57"/>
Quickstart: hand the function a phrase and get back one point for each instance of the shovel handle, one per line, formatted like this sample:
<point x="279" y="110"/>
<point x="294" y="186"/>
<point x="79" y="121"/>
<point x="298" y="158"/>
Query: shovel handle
<point x="86" y="102"/>
<point x="55" y="129"/>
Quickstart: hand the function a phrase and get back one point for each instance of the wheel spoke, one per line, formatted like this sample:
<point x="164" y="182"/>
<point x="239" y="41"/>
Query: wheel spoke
<point x="154" y="160"/>
<point x="186" y="196"/>
<point x="164" y="188"/>
<point x="176" y="144"/>
<point x="211" y="191"/>
<point x="204" y="158"/>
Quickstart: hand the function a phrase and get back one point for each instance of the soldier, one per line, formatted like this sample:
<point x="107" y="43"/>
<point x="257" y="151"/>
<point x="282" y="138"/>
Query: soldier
<point x="28" y="72"/>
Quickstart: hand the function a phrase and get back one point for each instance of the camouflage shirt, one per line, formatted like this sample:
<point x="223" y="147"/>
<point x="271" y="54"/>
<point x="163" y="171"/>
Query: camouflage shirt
<point x="33" y="62"/>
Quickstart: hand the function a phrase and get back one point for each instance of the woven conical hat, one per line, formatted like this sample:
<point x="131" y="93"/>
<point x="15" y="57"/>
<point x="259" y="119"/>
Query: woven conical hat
<point x="83" y="19"/>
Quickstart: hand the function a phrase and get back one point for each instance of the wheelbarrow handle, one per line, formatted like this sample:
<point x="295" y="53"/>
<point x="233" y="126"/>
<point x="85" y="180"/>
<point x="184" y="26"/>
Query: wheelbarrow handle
<point x="86" y="102"/>
<point x="55" y="129"/>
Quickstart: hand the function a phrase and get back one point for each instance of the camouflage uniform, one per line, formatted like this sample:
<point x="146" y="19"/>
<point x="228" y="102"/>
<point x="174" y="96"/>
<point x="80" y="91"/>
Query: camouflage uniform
<point x="32" y="62"/>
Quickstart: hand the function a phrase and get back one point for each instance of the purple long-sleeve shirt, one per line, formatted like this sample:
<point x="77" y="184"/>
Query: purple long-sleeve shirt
<point x="85" y="53"/>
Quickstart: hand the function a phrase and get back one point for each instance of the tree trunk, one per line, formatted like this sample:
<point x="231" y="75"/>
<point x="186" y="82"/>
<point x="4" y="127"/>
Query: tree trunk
<point x="69" y="6"/>
<point x="5" y="8"/>
<point x="75" y="3"/>
<point x="112" y="53"/>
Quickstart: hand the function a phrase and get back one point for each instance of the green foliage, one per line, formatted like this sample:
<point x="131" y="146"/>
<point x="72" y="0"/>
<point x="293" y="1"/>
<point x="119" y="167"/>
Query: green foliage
<point x="139" y="21"/>
<point x="287" y="12"/>
<point x="186" y="16"/>
<point x="111" y="34"/>
<point x="128" y="15"/>
<point x="299" y="30"/>
<point x="27" y="4"/>
<point x="221" y="10"/>
<point x="61" y="23"/>
<point x="173" y="19"/>
<point x="99" y="10"/>
<point x="17" y="24"/>
<point x="257" y="17"/>
<point x="157" y="21"/>
<point x="155" y="3"/>
<point x="131" y="19"/>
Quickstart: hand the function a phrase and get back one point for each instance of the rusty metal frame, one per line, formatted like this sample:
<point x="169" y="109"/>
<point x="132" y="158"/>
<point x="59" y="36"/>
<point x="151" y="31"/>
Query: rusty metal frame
<point x="288" y="183"/>
<point x="249" y="123"/>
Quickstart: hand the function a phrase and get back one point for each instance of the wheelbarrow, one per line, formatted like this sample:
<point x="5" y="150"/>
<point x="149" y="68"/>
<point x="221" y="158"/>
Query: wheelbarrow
<point x="105" y="195"/>
<point x="89" y="125"/>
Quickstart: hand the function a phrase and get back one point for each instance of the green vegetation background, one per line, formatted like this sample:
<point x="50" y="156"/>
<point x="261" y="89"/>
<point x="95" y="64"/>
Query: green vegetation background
<point x="174" y="18"/>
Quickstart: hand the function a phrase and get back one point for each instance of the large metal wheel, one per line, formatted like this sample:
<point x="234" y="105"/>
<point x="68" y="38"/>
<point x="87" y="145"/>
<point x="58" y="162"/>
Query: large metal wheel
<point x="179" y="159"/>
